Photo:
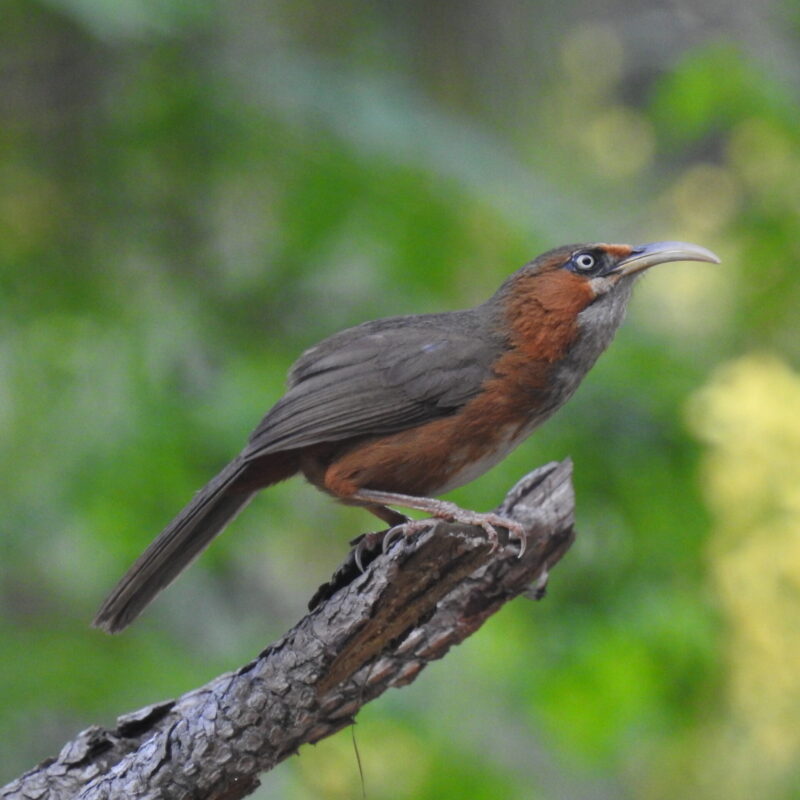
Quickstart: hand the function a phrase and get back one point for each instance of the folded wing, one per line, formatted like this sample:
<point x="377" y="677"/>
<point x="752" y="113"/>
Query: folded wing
<point x="377" y="379"/>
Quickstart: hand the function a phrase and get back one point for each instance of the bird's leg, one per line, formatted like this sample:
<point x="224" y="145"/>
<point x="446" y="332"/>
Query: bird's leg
<point x="442" y="509"/>
<point x="391" y="517"/>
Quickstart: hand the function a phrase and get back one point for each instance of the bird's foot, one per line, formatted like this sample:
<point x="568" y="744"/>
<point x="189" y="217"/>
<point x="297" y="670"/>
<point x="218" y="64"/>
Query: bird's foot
<point x="442" y="509"/>
<point x="488" y="521"/>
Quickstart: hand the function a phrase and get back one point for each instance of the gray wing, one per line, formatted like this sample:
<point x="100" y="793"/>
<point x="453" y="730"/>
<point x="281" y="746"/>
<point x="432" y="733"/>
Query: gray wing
<point x="379" y="378"/>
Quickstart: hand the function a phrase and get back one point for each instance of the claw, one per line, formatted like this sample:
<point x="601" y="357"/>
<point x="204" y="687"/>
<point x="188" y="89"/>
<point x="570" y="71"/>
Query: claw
<point x="405" y="529"/>
<point x="358" y="552"/>
<point x="490" y="522"/>
<point x="518" y="532"/>
<point x="366" y="541"/>
<point x="391" y="535"/>
<point x="515" y="531"/>
<point x="366" y="544"/>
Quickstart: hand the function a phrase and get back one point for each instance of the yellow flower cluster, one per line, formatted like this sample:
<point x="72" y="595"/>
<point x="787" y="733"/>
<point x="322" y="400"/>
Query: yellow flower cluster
<point x="749" y="416"/>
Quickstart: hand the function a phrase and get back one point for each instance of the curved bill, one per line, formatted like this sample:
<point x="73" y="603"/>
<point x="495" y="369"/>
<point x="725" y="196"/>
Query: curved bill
<point x="648" y="255"/>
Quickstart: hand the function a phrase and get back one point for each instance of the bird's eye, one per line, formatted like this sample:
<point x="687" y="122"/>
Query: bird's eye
<point x="584" y="262"/>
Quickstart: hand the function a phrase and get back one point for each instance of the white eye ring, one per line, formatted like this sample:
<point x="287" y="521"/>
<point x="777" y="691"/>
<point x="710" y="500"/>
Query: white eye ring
<point x="585" y="261"/>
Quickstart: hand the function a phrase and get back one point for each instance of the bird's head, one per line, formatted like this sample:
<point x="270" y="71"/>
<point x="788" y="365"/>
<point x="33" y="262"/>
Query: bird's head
<point x="583" y="288"/>
<point x="600" y="268"/>
<point x="604" y="267"/>
<point x="577" y="275"/>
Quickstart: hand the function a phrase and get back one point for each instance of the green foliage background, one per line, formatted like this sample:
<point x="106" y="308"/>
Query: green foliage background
<point x="191" y="194"/>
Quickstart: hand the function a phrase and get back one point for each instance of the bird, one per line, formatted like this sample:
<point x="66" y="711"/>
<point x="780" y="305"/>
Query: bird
<point x="397" y="411"/>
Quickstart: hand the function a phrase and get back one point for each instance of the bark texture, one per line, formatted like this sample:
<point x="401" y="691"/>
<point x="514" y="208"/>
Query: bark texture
<point x="367" y="632"/>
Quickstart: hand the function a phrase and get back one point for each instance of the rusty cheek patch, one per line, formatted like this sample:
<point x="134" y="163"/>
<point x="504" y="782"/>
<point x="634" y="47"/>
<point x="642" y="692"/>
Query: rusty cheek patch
<point x="542" y="313"/>
<point x="561" y="292"/>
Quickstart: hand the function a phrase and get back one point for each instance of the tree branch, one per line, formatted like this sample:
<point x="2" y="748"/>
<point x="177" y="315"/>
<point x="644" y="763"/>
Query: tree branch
<point x="367" y="632"/>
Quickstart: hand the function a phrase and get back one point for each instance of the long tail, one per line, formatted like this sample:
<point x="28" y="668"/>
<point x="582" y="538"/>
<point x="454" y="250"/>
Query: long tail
<point x="209" y="511"/>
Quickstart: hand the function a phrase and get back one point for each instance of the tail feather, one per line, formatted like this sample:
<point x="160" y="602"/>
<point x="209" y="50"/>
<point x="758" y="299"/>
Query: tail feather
<point x="209" y="511"/>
